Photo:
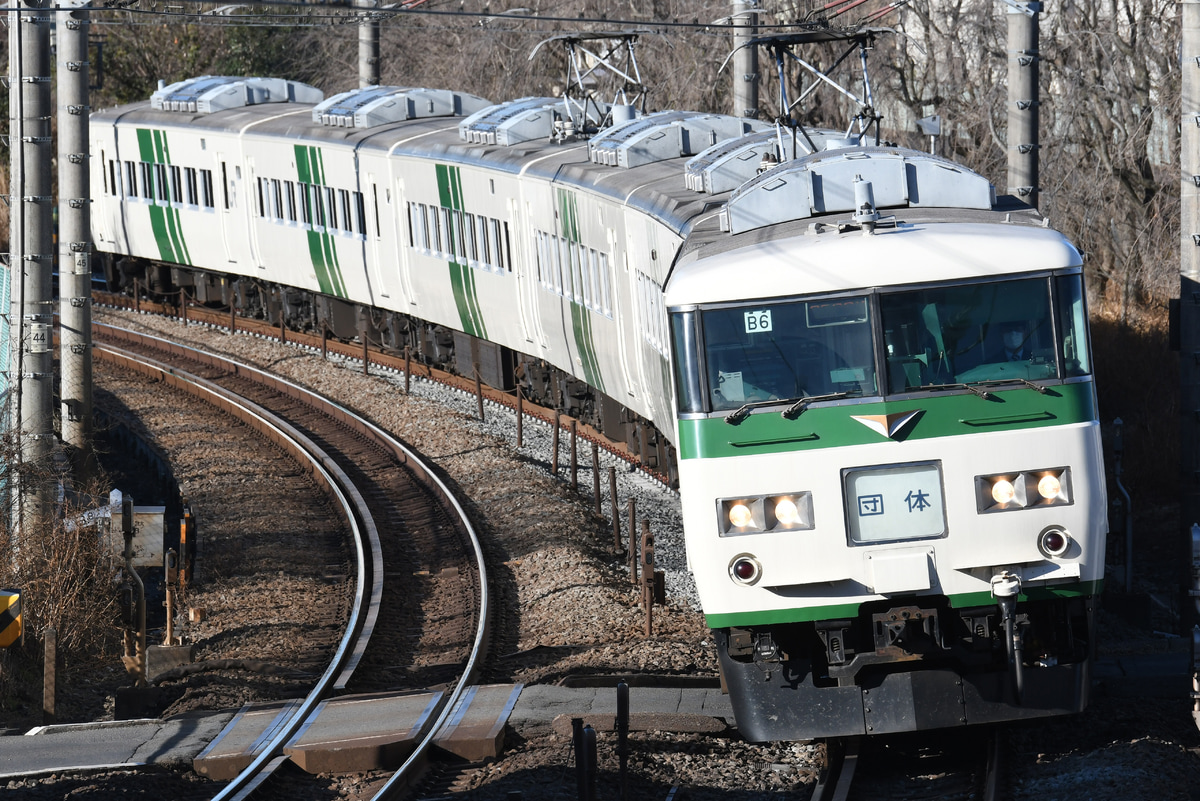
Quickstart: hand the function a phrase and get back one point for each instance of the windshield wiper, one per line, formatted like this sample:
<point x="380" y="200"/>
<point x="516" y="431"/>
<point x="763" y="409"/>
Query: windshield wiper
<point x="743" y="411"/>
<point x="794" y="411"/>
<point x="797" y="405"/>
<point x="983" y="393"/>
<point x="993" y="382"/>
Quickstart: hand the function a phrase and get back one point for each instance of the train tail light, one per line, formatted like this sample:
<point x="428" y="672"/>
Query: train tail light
<point x="1054" y="542"/>
<point x="745" y="569"/>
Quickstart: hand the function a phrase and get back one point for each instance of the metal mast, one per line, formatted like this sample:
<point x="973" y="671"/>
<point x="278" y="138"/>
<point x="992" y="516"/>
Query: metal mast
<point x="31" y="319"/>
<point x="745" y="63"/>
<point x="368" y="44"/>
<point x="1023" y="101"/>
<point x="74" y="241"/>
<point x="1189" y="292"/>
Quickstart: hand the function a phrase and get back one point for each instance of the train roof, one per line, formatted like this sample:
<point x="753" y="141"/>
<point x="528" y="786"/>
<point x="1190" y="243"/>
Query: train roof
<point x="833" y="254"/>
<point x="737" y="208"/>
<point x="656" y="188"/>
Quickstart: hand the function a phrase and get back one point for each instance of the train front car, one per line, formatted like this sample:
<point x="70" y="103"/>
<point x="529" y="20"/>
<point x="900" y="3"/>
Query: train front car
<point x="890" y="462"/>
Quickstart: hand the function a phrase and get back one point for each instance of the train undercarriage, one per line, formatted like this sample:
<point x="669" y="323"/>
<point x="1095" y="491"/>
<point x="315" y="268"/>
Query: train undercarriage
<point x="433" y="345"/>
<point x="907" y="666"/>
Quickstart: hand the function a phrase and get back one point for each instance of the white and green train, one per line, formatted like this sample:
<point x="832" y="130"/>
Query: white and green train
<point x="870" y="376"/>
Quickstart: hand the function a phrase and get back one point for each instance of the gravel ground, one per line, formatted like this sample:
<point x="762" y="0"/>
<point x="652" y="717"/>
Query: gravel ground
<point x="577" y="613"/>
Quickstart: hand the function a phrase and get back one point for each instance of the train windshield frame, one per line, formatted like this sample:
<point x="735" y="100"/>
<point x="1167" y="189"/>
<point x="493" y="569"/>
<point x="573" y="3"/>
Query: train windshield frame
<point x="881" y="342"/>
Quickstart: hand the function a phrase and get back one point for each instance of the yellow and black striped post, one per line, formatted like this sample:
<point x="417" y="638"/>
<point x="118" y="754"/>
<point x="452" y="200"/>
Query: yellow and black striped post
<point x="10" y="618"/>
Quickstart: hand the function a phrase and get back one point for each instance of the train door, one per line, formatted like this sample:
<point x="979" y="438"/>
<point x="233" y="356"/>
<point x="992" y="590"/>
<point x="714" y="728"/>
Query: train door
<point x="527" y="283"/>
<point x="380" y="285"/>
<point x="232" y="231"/>
<point x="621" y="309"/>
<point x="253" y="213"/>
<point x="402" y="222"/>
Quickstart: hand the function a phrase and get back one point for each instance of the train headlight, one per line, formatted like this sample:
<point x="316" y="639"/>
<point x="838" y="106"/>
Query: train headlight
<point x="761" y="514"/>
<point x="786" y="512"/>
<point x="1028" y="489"/>
<point x="1003" y="491"/>
<point x="1049" y="487"/>
<point x="740" y="515"/>
<point x="745" y="569"/>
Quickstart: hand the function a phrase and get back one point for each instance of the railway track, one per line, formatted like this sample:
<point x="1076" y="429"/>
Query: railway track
<point x="962" y="765"/>
<point x="420" y="617"/>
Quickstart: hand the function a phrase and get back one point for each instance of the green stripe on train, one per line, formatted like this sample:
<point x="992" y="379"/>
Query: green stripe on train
<point x="462" y="277"/>
<point x="808" y="614"/>
<point x="164" y="219"/>
<point x="834" y="426"/>
<point x="322" y="249"/>
<point x="581" y="319"/>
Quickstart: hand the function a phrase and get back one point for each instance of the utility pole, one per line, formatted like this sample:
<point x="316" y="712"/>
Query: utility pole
<point x="1023" y="57"/>
<point x="368" y="44"/>
<point x="745" y="59"/>
<point x="75" y="236"/>
<point x="1189" y="291"/>
<point x="31" y="379"/>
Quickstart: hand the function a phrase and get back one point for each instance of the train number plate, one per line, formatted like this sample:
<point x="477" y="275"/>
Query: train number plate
<point x="897" y="502"/>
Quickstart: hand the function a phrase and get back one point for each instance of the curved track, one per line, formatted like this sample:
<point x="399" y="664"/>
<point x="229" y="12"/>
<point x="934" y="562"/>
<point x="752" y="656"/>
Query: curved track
<point x="401" y="513"/>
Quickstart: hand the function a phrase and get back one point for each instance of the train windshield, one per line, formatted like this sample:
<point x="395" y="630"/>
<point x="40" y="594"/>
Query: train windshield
<point x="787" y="350"/>
<point x="984" y="332"/>
<point x="933" y="338"/>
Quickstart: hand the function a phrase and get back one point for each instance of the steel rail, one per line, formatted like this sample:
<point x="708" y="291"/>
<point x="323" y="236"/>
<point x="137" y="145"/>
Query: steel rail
<point x="428" y="476"/>
<point x="326" y="473"/>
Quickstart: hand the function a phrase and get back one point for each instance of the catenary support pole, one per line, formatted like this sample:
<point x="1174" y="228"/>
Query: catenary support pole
<point x="74" y="235"/>
<point x="745" y="61"/>
<point x="31" y="263"/>
<point x="1189" y="290"/>
<point x="368" y="44"/>
<point x="1023" y="100"/>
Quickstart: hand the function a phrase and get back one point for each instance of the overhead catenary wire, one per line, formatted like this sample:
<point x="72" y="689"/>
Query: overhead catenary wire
<point x="344" y="13"/>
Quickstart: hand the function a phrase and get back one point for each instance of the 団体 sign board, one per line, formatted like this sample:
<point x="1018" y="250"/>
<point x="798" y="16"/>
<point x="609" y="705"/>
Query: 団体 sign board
<point x="10" y="617"/>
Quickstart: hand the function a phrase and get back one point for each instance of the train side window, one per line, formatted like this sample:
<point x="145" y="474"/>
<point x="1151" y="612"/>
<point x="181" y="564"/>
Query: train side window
<point x="460" y="236"/>
<point x="481" y="237"/>
<point x="1072" y="326"/>
<point x="225" y="184"/>
<point x="176" y="185"/>
<point x="161" y="184"/>
<point x="206" y="189"/>
<point x="262" y="208"/>
<point x="689" y="391"/>
<point x="605" y="284"/>
<point x="189" y="180"/>
<point x="147" y="180"/>
<point x="306" y="204"/>
<point x="113" y="187"/>
<point x="436" y="240"/>
<point x="289" y="197"/>
<point x="499" y="241"/>
<point x="347" y="212"/>
<point x="360" y="215"/>
<point x="472" y="254"/>
<point x="318" y="207"/>
<point x="131" y="184"/>
<point x="506" y="254"/>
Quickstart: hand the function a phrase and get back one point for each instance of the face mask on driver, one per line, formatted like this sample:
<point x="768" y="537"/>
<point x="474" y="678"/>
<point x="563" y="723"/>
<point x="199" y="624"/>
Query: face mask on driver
<point x="1013" y="339"/>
